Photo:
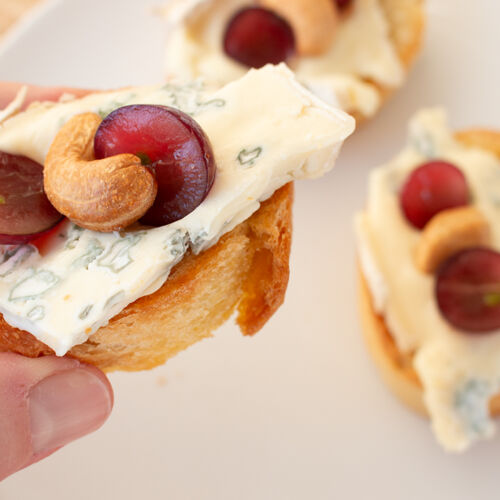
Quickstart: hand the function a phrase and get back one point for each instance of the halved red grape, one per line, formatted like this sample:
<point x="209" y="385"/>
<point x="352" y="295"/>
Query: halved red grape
<point x="21" y="239"/>
<point x="44" y="241"/>
<point x="256" y="36"/>
<point x="37" y="239"/>
<point x="431" y="188"/>
<point x="25" y="210"/>
<point x="468" y="290"/>
<point x="174" y="147"/>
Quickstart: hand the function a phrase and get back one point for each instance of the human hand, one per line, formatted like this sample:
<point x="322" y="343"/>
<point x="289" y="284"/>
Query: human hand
<point x="8" y="91"/>
<point x="46" y="403"/>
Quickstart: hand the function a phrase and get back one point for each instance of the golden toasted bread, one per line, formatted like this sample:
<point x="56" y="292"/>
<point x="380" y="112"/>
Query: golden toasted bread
<point x="396" y="368"/>
<point x="246" y="270"/>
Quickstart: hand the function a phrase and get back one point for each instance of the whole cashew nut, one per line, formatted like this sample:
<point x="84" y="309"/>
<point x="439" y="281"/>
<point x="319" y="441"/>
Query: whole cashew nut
<point x="447" y="233"/>
<point x="314" y="22"/>
<point x="101" y="195"/>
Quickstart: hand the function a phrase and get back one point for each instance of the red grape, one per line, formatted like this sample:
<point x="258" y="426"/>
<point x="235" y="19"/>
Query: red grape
<point x="45" y="240"/>
<point x="174" y="147"/>
<point x="25" y="210"/>
<point x="21" y="239"/>
<point x="431" y="188"/>
<point x="468" y="290"/>
<point x="256" y="36"/>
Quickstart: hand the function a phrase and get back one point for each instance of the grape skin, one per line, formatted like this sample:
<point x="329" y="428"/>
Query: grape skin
<point x="256" y="36"/>
<point x="468" y="290"/>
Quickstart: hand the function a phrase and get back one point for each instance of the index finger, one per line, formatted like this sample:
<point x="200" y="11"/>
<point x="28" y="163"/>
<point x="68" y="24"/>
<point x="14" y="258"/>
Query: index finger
<point x="8" y="91"/>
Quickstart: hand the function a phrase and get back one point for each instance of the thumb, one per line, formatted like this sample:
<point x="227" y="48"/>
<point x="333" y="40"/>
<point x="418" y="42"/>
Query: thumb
<point x="45" y="403"/>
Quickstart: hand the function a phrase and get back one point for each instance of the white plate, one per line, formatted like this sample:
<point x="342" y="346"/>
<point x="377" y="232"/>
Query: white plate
<point x="297" y="412"/>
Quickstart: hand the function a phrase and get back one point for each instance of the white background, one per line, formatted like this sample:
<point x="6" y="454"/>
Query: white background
<point x="297" y="412"/>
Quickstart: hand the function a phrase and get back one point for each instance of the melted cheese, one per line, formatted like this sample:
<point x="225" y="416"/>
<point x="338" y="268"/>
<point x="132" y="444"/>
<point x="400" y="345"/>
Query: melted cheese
<point x="361" y="50"/>
<point x="265" y="130"/>
<point x="459" y="372"/>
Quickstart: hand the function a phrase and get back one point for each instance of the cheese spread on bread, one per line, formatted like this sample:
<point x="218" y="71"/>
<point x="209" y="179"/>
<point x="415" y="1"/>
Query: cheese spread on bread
<point x="265" y="129"/>
<point x="459" y="371"/>
<point x="360" y="52"/>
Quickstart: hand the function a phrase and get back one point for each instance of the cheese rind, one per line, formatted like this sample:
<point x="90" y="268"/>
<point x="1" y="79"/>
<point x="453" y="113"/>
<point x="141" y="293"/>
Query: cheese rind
<point x="265" y="130"/>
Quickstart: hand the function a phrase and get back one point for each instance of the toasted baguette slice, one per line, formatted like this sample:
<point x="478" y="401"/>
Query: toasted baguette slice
<point x="396" y="368"/>
<point x="406" y="20"/>
<point x="246" y="270"/>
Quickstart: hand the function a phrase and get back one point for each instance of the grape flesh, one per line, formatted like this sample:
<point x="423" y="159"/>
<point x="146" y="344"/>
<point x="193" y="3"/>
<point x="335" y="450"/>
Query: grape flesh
<point x="468" y="290"/>
<point x="25" y="210"/>
<point x="256" y="36"/>
<point x="172" y="145"/>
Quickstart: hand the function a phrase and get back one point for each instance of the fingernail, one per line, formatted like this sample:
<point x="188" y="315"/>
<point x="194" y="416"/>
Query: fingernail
<point x="66" y="406"/>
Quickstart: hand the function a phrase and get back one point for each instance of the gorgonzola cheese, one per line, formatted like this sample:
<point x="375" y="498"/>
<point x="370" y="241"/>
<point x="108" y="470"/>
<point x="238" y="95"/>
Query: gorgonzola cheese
<point x="459" y="372"/>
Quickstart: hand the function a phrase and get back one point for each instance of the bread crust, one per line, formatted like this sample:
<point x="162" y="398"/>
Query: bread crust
<point x="406" y="19"/>
<point x="395" y="367"/>
<point x="246" y="270"/>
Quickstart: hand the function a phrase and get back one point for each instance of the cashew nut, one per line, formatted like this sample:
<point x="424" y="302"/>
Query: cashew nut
<point x="314" y="22"/>
<point x="102" y="195"/>
<point x="447" y="233"/>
